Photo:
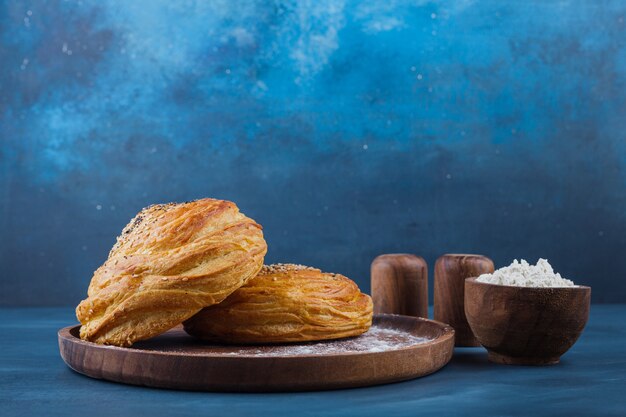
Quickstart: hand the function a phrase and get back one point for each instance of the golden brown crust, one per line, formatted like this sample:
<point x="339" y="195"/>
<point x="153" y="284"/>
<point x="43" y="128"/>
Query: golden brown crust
<point x="170" y="261"/>
<point x="286" y="303"/>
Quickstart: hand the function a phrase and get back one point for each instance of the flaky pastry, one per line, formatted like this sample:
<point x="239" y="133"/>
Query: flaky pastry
<point x="286" y="303"/>
<point x="170" y="261"/>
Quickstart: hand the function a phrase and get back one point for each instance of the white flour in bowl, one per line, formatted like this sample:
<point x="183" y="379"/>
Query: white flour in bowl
<point x="522" y="274"/>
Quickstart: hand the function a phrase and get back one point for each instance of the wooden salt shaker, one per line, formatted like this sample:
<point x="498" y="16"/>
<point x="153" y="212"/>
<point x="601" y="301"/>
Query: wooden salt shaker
<point x="450" y="273"/>
<point x="400" y="285"/>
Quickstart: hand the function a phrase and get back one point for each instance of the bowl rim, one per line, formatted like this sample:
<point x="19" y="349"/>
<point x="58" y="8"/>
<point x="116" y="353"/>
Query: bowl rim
<point x="574" y="288"/>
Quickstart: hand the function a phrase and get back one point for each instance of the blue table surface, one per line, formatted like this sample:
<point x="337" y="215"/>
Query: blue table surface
<point x="590" y="380"/>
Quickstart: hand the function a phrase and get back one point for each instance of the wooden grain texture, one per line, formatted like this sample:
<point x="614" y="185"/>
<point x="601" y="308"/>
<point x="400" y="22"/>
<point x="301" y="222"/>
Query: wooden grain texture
<point x="526" y="326"/>
<point x="400" y="285"/>
<point x="177" y="361"/>
<point x="451" y="270"/>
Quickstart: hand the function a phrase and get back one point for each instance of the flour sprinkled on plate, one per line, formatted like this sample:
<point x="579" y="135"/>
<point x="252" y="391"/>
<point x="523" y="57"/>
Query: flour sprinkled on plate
<point x="377" y="339"/>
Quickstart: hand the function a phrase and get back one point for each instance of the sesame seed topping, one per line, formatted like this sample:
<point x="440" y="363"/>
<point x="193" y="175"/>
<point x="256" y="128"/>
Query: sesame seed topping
<point x="275" y="268"/>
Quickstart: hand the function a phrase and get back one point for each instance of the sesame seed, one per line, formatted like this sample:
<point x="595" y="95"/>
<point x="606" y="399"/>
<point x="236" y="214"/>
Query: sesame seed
<point x="276" y="268"/>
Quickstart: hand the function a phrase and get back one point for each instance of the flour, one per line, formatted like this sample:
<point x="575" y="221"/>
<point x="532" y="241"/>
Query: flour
<point x="522" y="274"/>
<point x="377" y="339"/>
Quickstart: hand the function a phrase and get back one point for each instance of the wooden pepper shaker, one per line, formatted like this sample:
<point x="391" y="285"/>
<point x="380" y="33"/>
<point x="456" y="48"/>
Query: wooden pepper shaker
<point x="400" y="285"/>
<point x="450" y="273"/>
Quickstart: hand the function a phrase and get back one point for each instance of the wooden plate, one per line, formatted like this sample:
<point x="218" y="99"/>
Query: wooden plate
<point x="396" y="348"/>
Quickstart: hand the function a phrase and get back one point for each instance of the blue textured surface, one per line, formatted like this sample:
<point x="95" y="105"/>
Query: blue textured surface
<point x="589" y="381"/>
<point x="348" y="129"/>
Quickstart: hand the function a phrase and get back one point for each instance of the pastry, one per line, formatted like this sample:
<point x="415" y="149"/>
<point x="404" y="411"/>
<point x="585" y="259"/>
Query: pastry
<point x="170" y="261"/>
<point x="286" y="303"/>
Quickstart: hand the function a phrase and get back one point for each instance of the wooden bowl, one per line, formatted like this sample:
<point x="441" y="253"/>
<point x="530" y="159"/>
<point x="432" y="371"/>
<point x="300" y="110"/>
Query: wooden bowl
<point x="526" y="326"/>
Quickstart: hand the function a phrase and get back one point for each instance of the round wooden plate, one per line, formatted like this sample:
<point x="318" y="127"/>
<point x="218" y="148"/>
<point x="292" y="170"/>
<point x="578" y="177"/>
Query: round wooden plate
<point x="396" y="348"/>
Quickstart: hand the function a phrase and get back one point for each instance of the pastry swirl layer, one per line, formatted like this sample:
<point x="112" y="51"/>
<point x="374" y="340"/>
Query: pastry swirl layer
<point x="286" y="303"/>
<point x="170" y="261"/>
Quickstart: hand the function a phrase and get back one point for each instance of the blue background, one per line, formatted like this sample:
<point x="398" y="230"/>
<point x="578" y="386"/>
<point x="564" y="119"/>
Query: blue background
<point x="348" y="129"/>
